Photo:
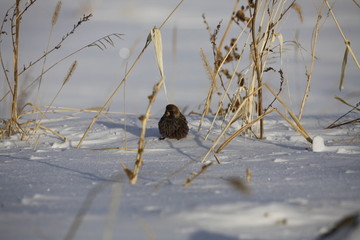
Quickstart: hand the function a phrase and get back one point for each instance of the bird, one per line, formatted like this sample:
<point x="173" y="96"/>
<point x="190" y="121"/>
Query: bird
<point x="173" y="124"/>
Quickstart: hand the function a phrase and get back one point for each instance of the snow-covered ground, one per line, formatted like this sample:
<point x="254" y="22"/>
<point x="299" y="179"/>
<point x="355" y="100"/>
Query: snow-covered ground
<point x="52" y="190"/>
<point x="294" y="192"/>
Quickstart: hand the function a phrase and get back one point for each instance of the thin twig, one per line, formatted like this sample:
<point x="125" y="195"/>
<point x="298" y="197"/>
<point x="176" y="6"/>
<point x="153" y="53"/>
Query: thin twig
<point x="202" y="170"/>
<point x="85" y="18"/>
<point x="313" y="55"/>
<point x="346" y="41"/>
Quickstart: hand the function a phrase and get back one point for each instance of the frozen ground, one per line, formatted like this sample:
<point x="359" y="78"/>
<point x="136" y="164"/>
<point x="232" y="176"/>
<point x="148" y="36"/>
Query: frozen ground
<point x="295" y="193"/>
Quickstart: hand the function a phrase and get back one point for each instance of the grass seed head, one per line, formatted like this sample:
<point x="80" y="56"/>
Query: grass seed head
<point x="56" y="13"/>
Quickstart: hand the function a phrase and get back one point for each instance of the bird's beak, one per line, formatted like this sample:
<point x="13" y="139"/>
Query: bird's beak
<point x="167" y="113"/>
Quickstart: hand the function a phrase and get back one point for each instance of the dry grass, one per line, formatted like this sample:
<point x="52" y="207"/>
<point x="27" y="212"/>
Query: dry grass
<point x="240" y="92"/>
<point x="240" y="77"/>
<point x="250" y="47"/>
<point x="18" y="90"/>
<point x="237" y="87"/>
<point x="155" y="35"/>
<point x="313" y="54"/>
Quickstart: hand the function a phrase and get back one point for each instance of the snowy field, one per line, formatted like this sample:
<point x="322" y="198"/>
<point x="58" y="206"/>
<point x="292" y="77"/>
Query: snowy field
<point x="295" y="191"/>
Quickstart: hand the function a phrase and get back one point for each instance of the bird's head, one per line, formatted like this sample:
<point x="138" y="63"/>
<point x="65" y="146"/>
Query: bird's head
<point x="172" y="111"/>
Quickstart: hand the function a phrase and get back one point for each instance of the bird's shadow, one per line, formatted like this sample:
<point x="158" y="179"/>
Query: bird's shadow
<point x="132" y="129"/>
<point x="206" y="235"/>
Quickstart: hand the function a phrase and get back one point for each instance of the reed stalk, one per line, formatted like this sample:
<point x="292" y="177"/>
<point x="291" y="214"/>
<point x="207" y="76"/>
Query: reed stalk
<point x="14" y="113"/>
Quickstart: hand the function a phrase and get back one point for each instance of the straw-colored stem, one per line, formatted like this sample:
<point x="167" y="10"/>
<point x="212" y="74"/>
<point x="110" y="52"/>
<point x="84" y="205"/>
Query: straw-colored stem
<point x="258" y="67"/>
<point x="202" y="170"/>
<point x="292" y="115"/>
<point x="222" y="99"/>
<point x="14" y="116"/>
<point x="298" y="127"/>
<point x="313" y="56"/>
<point x="216" y="72"/>
<point x="156" y="39"/>
<point x="347" y="41"/>
<point x="53" y="22"/>
<point x="238" y="132"/>
<point x="141" y="144"/>
<point x="217" y="140"/>
<point x="112" y="95"/>
<point x="228" y="27"/>
<point x="1" y="58"/>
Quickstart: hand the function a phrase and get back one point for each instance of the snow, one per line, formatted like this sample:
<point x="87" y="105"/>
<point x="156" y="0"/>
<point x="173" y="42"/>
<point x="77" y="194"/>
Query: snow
<point x="49" y="189"/>
<point x="295" y="192"/>
<point x="319" y="146"/>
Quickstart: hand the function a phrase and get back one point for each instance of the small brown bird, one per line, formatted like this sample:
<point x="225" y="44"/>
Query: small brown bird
<point x="173" y="123"/>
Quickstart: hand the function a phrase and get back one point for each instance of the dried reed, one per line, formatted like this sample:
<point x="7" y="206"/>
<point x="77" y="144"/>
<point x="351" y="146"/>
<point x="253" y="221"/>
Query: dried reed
<point x="192" y="179"/>
<point x="346" y="40"/>
<point x="313" y="54"/>
<point x="53" y="22"/>
<point x="14" y="113"/>
<point x="259" y="21"/>
<point x="157" y="42"/>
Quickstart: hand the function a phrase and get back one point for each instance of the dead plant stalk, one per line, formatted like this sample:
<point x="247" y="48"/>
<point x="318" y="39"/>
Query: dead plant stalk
<point x="202" y="170"/>
<point x="346" y="40"/>
<point x="257" y="67"/>
<point x="313" y="55"/>
<point x="14" y="117"/>
<point x="155" y="36"/>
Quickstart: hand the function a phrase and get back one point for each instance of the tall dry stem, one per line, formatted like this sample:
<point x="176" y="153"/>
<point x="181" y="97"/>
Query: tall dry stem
<point x="346" y="40"/>
<point x="156" y="39"/>
<point x="257" y="65"/>
<point x="313" y="56"/>
<point x="14" y="113"/>
<point x="53" y="22"/>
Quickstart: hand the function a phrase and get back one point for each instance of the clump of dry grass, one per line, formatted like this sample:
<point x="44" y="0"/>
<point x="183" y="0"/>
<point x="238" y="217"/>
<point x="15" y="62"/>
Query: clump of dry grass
<point x="19" y="86"/>
<point x="335" y="124"/>
<point x="240" y="64"/>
